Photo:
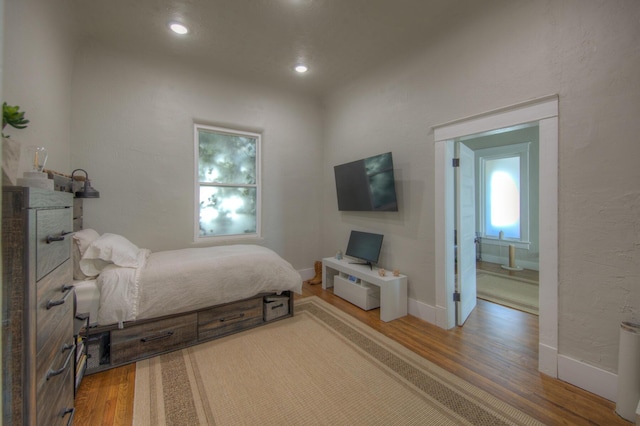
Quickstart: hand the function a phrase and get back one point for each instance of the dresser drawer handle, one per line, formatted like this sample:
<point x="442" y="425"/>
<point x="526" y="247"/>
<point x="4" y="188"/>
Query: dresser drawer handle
<point x="66" y="347"/>
<point x="52" y="238"/>
<point x="71" y="411"/>
<point x="158" y="337"/>
<point x="67" y="291"/>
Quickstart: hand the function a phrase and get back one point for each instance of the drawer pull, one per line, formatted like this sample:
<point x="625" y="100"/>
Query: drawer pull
<point x="277" y="306"/>
<point x="71" y="411"/>
<point x="233" y="317"/>
<point x="52" y="238"/>
<point x="66" y="289"/>
<point x="158" y="337"/>
<point x="66" y="347"/>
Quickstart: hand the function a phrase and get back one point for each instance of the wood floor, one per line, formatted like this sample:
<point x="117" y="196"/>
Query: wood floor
<point x="496" y="350"/>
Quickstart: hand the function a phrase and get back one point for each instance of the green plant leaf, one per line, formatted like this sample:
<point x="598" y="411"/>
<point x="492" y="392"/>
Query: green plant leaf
<point x="12" y="116"/>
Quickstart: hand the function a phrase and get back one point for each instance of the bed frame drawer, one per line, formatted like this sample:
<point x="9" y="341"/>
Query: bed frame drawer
<point x="144" y="340"/>
<point x="229" y="318"/>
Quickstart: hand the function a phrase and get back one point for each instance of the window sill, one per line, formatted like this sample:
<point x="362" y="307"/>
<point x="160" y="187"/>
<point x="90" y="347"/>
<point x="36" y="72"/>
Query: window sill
<point x="231" y="239"/>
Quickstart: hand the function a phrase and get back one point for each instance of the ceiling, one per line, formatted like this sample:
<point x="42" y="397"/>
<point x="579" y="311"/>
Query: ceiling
<point x="262" y="40"/>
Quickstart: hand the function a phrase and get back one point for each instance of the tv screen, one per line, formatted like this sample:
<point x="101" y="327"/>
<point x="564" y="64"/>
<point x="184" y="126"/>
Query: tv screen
<point x="364" y="246"/>
<point x="367" y="184"/>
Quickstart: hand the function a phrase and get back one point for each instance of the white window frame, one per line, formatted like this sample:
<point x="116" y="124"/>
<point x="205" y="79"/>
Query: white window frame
<point x="197" y="184"/>
<point x="520" y="150"/>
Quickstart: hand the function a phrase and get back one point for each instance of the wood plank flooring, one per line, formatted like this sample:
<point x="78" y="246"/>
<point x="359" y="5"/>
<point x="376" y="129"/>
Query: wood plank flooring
<point x="496" y="350"/>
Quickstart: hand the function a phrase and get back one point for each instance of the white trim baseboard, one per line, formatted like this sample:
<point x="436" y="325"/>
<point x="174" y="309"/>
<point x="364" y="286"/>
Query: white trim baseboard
<point x="600" y="382"/>
<point x="307" y="274"/>
<point x="422" y="310"/>
<point x="548" y="360"/>
<point x="588" y="377"/>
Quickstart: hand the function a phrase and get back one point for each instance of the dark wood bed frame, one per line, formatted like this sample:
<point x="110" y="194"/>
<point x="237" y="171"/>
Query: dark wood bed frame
<point x="111" y="346"/>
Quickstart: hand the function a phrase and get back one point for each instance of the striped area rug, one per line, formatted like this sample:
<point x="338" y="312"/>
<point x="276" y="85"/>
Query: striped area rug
<point x="321" y="367"/>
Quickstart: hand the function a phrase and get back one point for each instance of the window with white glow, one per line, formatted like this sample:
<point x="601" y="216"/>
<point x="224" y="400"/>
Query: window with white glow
<point x="227" y="183"/>
<point x="504" y="192"/>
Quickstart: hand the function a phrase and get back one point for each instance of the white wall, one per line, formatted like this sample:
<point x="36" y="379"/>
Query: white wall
<point x="132" y="130"/>
<point x="587" y="53"/>
<point x="38" y="61"/>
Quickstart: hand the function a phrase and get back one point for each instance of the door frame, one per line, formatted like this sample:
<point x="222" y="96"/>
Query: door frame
<point x="544" y="111"/>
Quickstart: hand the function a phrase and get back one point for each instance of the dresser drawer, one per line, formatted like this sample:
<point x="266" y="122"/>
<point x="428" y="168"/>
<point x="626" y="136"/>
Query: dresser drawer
<point x="55" y="352"/>
<point x="54" y="373"/>
<point x="53" y="245"/>
<point x="142" y="340"/>
<point x="54" y="302"/>
<point x="55" y="405"/>
<point x="229" y="318"/>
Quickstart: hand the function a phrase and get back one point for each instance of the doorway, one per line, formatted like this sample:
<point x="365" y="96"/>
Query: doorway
<point x="544" y="113"/>
<point x="505" y="166"/>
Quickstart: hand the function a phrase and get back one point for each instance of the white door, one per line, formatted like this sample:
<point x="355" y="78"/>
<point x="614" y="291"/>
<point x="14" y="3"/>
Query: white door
<point x="466" y="233"/>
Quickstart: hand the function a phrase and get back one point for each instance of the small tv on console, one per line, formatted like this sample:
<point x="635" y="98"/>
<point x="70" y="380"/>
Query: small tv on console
<point x="367" y="184"/>
<point x="365" y="247"/>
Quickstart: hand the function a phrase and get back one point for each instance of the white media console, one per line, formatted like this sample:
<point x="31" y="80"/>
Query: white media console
<point x="392" y="290"/>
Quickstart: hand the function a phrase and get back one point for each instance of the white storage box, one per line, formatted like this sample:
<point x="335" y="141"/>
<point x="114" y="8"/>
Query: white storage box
<point x="361" y="294"/>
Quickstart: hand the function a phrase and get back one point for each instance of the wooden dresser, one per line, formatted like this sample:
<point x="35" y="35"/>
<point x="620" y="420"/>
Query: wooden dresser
<point x="37" y="313"/>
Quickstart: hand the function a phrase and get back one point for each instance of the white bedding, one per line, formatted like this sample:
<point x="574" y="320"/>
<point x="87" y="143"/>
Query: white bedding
<point x="87" y="299"/>
<point x="175" y="281"/>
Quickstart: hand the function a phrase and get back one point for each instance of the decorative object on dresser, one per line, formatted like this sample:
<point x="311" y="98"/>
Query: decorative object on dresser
<point x="37" y="336"/>
<point x="87" y="190"/>
<point x="12" y="116"/>
<point x="37" y="178"/>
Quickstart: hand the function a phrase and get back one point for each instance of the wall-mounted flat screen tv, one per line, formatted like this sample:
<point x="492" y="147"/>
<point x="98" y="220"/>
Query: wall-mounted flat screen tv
<point x="364" y="246"/>
<point x="367" y="184"/>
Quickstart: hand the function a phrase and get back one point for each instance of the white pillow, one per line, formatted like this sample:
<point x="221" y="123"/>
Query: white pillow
<point x="109" y="249"/>
<point x="81" y="240"/>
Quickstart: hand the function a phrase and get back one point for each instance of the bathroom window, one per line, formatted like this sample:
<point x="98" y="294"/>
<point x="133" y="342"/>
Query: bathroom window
<point x="504" y="192"/>
<point x="227" y="183"/>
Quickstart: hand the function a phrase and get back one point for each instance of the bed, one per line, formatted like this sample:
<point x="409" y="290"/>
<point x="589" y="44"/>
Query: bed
<point x="140" y="303"/>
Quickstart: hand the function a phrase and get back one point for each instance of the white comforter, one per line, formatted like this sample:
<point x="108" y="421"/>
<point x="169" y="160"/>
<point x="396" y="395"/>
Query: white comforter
<point x="175" y="281"/>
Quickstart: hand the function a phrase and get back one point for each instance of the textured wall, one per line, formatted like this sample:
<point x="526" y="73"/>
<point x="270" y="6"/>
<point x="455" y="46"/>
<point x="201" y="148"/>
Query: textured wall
<point x="588" y="53"/>
<point x="38" y="61"/>
<point x="132" y="129"/>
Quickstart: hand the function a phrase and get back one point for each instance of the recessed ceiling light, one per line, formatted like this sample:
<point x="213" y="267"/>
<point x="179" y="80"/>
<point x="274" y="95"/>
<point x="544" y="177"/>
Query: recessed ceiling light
<point x="301" y="68"/>
<point x="178" y="28"/>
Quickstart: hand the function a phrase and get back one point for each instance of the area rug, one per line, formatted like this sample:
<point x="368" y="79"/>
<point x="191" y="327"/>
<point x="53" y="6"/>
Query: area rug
<point x="514" y="292"/>
<point x="320" y="367"/>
